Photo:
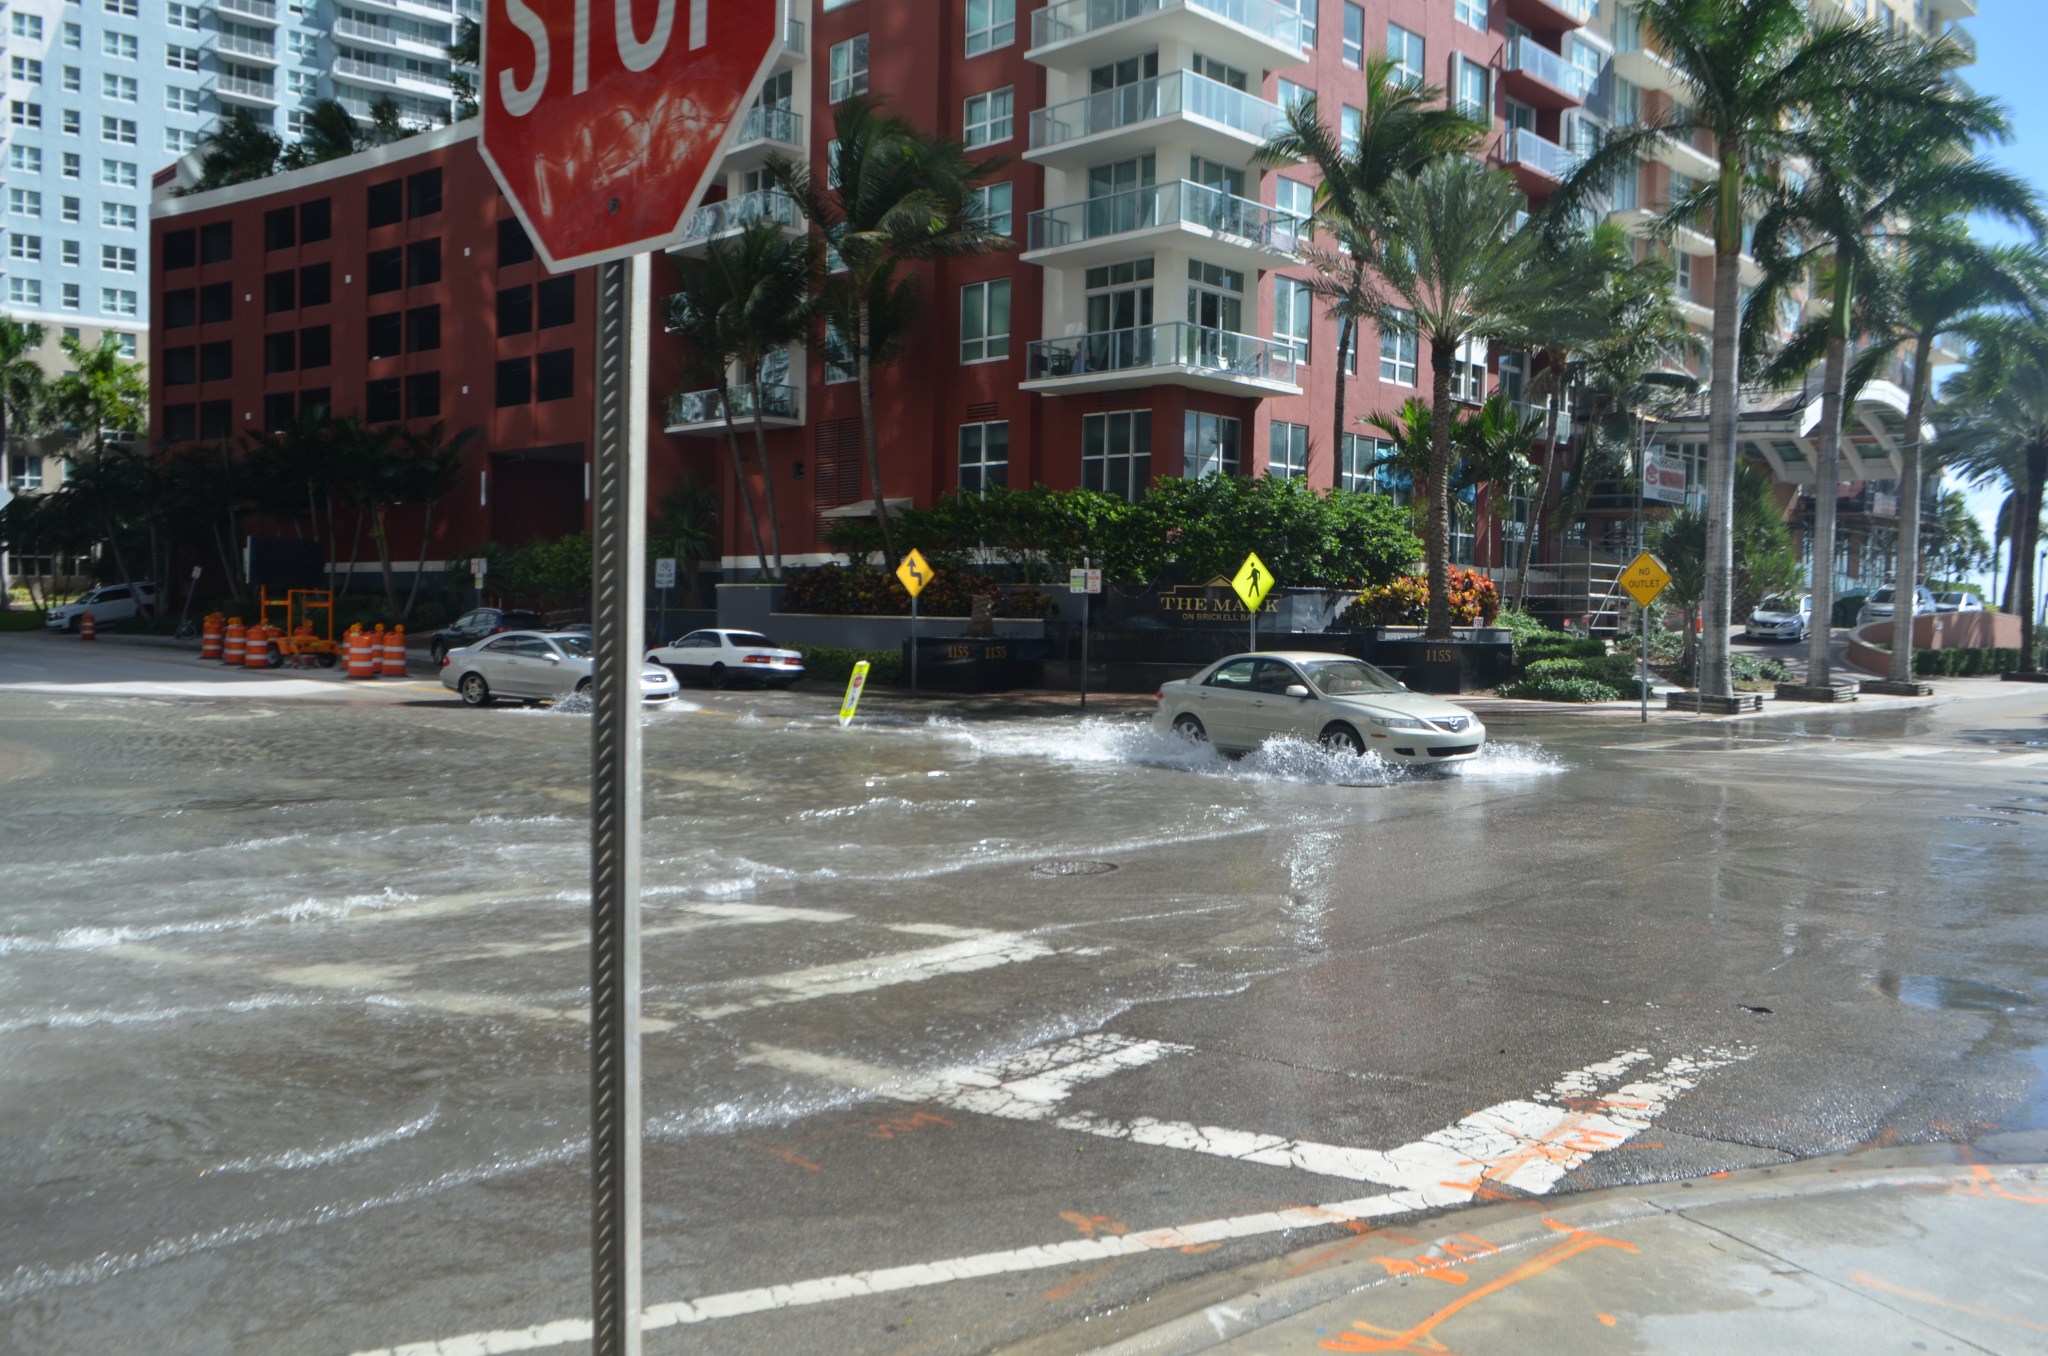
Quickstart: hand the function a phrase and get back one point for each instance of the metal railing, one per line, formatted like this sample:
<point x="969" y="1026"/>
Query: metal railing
<point x="395" y="76"/>
<point x="1527" y="55"/>
<point x="1178" y="93"/>
<point x="1072" y="18"/>
<point x="720" y="218"/>
<point x="708" y="407"/>
<point x="234" y="85"/>
<point x="1548" y="158"/>
<point x="793" y="36"/>
<point x="253" y="9"/>
<point x="1175" y="343"/>
<point x="769" y="122"/>
<point x="362" y="32"/>
<point x="1180" y="203"/>
<point x="231" y="45"/>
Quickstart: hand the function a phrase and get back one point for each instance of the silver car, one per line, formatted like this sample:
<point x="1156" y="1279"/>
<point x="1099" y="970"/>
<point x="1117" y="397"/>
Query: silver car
<point x="716" y="656"/>
<point x="1781" y="617"/>
<point x="535" y="666"/>
<point x="1344" y="703"/>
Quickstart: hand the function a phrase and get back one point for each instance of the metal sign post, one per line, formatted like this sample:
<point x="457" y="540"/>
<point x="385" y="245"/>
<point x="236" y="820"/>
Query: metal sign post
<point x="1084" y="581"/>
<point x="664" y="579"/>
<point x="1252" y="583"/>
<point x="914" y="573"/>
<point x="1643" y="580"/>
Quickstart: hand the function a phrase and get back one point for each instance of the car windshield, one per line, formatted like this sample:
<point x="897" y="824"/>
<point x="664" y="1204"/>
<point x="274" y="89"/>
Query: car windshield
<point x="748" y="638"/>
<point x="576" y="647"/>
<point x="1881" y="596"/>
<point x="1346" y="677"/>
<point x="1777" y="602"/>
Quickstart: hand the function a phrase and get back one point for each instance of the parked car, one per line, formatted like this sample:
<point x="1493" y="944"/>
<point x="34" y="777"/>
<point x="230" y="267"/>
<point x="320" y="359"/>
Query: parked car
<point x="1345" y="704"/>
<point x="108" y="602"/>
<point x="1781" y="616"/>
<point x="535" y="666"/>
<point x="717" y="657"/>
<point x="1958" y="601"/>
<point x="474" y="625"/>
<point x="1878" y="606"/>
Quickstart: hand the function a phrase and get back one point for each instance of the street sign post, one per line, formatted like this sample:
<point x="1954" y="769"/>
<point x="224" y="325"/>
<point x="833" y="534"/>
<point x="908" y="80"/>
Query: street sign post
<point x="1084" y="581"/>
<point x="664" y="579"/>
<point x="1253" y="582"/>
<point x="914" y="573"/>
<point x="856" y="683"/>
<point x="1643" y="580"/>
<point x="603" y="137"/>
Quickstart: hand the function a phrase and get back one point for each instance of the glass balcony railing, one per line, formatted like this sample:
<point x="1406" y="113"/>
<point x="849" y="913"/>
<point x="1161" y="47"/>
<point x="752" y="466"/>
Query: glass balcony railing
<point x="1175" y="204"/>
<point x="1545" y="157"/>
<point x="1173" y="344"/>
<point x="1533" y="58"/>
<point x="720" y="218"/>
<point x="793" y="37"/>
<point x="1073" y="18"/>
<point x="767" y="122"/>
<point x="708" y="407"/>
<point x="1182" y="93"/>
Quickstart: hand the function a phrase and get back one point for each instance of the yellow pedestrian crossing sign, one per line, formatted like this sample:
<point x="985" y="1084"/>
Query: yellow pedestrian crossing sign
<point x="914" y="573"/>
<point x="1254" y="581"/>
<point x="1645" y="578"/>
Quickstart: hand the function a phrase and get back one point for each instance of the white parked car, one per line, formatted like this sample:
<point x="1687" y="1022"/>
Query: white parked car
<point x="1344" y="703"/>
<point x="1781" y="617"/>
<point x="1878" y="606"/>
<point x="1958" y="601"/>
<point x="717" y="656"/>
<point x="108" y="602"/>
<point x="535" y="666"/>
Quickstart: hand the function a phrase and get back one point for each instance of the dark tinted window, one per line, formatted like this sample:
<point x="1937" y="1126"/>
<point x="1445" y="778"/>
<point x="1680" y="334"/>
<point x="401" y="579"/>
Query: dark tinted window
<point x="216" y="303"/>
<point x="315" y="282"/>
<point x="277" y="411"/>
<point x="181" y="247"/>
<point x="423" y="262"/>
<point x="422" y="329"/>
<point x="386" y="335"/>
<point x="316" y="221"/>
<point x="215" y="419"/>
<point x="217" y="242"/>
<point x="386" y="270"/>
<point x="557" y="298"/>
<point x="181" y="366"/>
<point x="515" y="381"/>
<point x="554" y="375"/>
<point x="380" y="400"/>
<point x="515" y="310"/>
<point x="423" y="191"/>
<point x="180" y="308"/>
<point x="181" y="422"/>
<point x="387" y="202"/>
<point x="217" y="361"/>
<point x="423" y="395"/>
<point x="280" y="291"/>
<point x="314" y="401"/>
<point x="281" y="351"/>
<point x="316" y="347"/>
<point x="280" y="229"/>
<point x="513" y="246"/>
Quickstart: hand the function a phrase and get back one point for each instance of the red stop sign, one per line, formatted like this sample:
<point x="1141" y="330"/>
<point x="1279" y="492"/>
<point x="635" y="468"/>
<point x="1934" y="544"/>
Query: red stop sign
<point x="603" y="119"/>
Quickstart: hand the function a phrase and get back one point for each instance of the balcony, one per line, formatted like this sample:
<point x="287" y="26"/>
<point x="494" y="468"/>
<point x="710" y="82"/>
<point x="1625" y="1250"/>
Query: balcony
<point x="1963" y="38"/>
<point x="1173" y="354"/>
<point x="389" y="39"/>
<point x="1255" y="35"/>
<point x="377" y="76"/>
<point x="1641" y="66"/>
<point x="257" y="92"/>
<point x="765" y="129"/>
<point x="1540" y="165"/>
<point x="1541" y="78"/>
<point x="715" y="219"/>
<point x="1686" y="159"/>
<point x="441" y="11"/>
<point x="1551" y="16"/>
<point x="1230" y="229"/>
<point x="703" y="412"/>
<point x="1698" y="316"/>
<point x="246" y="49"/>
<point x="1938" y="10"/>
<point x="792" y="46"/>
<point x="1217" y="122"/>
<point x="250" y="11"/>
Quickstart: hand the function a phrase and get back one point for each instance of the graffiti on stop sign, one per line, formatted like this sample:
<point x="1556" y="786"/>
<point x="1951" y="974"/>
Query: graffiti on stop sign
<point x="602" y="120"/>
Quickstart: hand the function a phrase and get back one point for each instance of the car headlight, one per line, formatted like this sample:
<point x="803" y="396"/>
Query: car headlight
<point x="1397" y="722"/>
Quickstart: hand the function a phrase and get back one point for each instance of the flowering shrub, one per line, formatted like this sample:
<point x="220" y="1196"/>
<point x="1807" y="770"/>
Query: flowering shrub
<point x="1405" y="601"/>
<point x="837" y="591"/>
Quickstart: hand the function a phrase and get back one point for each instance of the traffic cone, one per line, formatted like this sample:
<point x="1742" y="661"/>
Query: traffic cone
<point x="86" y="629"/>
<point x="394" y="652"/>
<point x="234" y="644"/>
<point x="362" y="657"/>
<point x="256" y="647"/>
<point x="210" y="636"/>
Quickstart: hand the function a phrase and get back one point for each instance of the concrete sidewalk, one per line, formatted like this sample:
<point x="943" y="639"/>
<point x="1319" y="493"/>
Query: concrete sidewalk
<point x="1941" y="1248"/>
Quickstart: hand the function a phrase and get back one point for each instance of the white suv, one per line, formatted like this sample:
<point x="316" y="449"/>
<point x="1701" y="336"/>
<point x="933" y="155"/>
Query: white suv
<point x="108" y="602"/>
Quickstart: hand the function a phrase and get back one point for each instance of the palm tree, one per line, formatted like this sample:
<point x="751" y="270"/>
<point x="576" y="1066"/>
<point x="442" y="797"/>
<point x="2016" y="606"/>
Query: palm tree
<point x="1401" y="127"/>
<point x="701" y="312"/>
<point x="1879" y="171"/>
<point x="103" y="393"/>
<point x="1996" y="430"/>
<point x="1462" y="270"/>
<point x="1752" y="74"/>
<point x="239" y="149"/>
<point x="769" y="279"/>
<point x="893" y="194"/>
<point x="24" y="394"/>
<point x="430" y="468"/>
<point x="331" y="133"/>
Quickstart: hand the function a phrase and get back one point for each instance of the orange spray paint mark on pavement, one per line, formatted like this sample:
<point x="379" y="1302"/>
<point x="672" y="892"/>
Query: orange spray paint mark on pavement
<point x="1866" y="1279"/>
<point x="1607" y="1320"/>
<point x="1983" y="1183"/>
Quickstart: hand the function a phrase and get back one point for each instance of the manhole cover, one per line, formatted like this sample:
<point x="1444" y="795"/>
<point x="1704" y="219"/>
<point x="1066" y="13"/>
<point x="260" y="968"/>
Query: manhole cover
<point x="1977" y="820"/>
<point x="1072" y="867"/>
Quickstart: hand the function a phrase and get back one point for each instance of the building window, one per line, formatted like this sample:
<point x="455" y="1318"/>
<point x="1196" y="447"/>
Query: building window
<point x="73" y="81"/>
<point x="385" y="271"/>
<point x="984" y="457"/>
<point x="385" y="203"/>
<point x="280" y="292"/>
<point x="991" y="204"/>
<point x="1293" y="311"/>
<point x="315" y="283"/>
<point x="69" y="209"/>
<point x="848" y="69"/>
<point x="1307" y="10"/>
<point x="423" y="328"/>
<point x="1354" y="35"/>
<point x="990" y="24"/>
<point x="316" y="346"/>
<point x="985" y="321"/>
<point x="181" y="100"/>
<point x="384" y="336"/>
<point x="118" y="173"/>
<point x="117" y="258"/>
<point x="1294" y="197"/>
<point x="281" y="352"/>
<point x="1405" y="50"/>
<point x="180" y="141"/>
<point x="515" y="382"/>
<point x="1355" y="463"/>
<point x="1468" y="372"/>
<point x="423" y="262"/>
<point x="73" y="122"/>
<point x="216" y="303"/>
<point x="118" y="300"/>
<point x="1211" y="445"/>
<point x="217" y="243"/>
<point x="423" y="194"/>
<point x="1397" y="350"/>
<point x="24" y="114"/>
<point x="1288" y="457"/>
<point x="178" y="58"/>
<point x="513" y="246"/>
<point x="25" y="70"/>
<point x="1287" y="94"/>
<point x="515" y="310"/>
<point x="840" y="359"/>
<point x="554" y="375"/>
<point x="1471" y="12"/>
<point x="27" y="248"/>
<point x="1116" y="453"/>
<point x="383" y="400"/>
<point x="1683" y="263"/>
<point x="555" y="301"/>
<point x="29" y="26"/>
<point x="182" y="16"/>
<point x="306" y="46"/>
<point x="304" y="84"/>
<point x="122" y="89"/>
<point x="67" y="253"/>
<point x="988" y="118"/>
<point x="1472" y="96"/>
<point x="25" y="159"/>
<point x="119" y="46"/>
<point x="25" y="291"/>
<point x="24" y="471"/>
<point x="120" y="131"/>
<point x="1350" y="126"/>
<point x="423" y="395"/>
<point x="125" y="9"/>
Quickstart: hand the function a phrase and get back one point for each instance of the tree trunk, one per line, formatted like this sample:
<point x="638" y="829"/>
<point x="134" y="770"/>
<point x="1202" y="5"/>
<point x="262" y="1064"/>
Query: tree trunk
<point x="1347" y="334"/>
<point x="767" y="474"/>
<point x="867" y="425"/>
<point x="739" y="474"/>
<point x="381" y="534"/>
<point x="1827" y="473"/>
<point x="6" y="448"/>
<point x="355" y="550"/>
<point x="1723" y="402"/>
<point x="412" y="595"/>
<point x="1906" y="578"/>
<point x="1438" y="539"/>
<point x="2026" y="546"/>
<point x="1553" y="462"/>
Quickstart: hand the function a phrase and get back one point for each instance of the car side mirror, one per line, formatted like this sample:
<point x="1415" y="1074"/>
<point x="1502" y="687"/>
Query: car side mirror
<point x="1297" y="690"/>
<point x="553" y="658"/>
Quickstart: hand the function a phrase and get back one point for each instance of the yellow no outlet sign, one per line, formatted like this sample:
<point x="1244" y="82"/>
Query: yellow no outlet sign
<point x="1645" y="578"/>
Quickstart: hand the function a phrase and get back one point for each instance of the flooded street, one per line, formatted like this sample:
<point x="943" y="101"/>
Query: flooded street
<point x="957" y="1031"/>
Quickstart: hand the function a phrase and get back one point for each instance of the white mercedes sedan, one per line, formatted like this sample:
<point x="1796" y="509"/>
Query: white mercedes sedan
<point x="716" y="657"/>
<point x="1343" y="703"/>
<point x="536" y="666"/>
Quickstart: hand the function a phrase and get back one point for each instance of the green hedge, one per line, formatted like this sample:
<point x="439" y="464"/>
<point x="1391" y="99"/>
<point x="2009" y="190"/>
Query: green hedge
<point x="1562" y="689"/>
<point x="1556" y="645"/>
<point x="1609" y="670"/>
<point x="1965" y="663"/>
<point x="831" y="665"/>
<point x="1749" y="668"/>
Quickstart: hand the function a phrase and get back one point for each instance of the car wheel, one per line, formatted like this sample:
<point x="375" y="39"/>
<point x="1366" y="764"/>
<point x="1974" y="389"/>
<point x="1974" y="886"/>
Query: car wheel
<point x="71" y="625"/>
<point x="716" y="678"/>
<point x="327" y="660"/>
<point x="1343" y="739"/>
<point x="583" y="688"/>
<point x="475" y="691"/>
<point x="435" y="652"/>
<point x="1190" y="729"/>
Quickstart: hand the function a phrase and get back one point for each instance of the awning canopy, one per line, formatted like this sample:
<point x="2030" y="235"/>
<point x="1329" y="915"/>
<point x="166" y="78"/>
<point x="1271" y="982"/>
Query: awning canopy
<point x="863" y="508"/>
<point x="1782" y="431"/>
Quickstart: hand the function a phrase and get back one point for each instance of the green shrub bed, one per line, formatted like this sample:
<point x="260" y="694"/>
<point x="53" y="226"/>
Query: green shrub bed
<point x="836" y="591"/>
<point x="1965" y="663"/>
<point x="832" y="665"/>
<point x="1558" y="688"/>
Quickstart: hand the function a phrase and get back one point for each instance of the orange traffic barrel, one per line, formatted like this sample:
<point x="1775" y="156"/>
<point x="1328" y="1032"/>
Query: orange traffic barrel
<point x="210" y="636"/>
<point x="86" y="629"/>
<point x="362" y="654"/>
<point x="256" y="647"/>
<point x="394" y="652"/>
<point x="234" y="643"/>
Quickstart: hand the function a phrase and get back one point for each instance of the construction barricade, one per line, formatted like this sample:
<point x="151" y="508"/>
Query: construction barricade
<point x="362" y="653"/>
<point x="211" y="636"/>
<point x="256" y="647"/>
<point x="394" y="652"/>
<point x="234" y="643"/>
<point x="86" y="629"/>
